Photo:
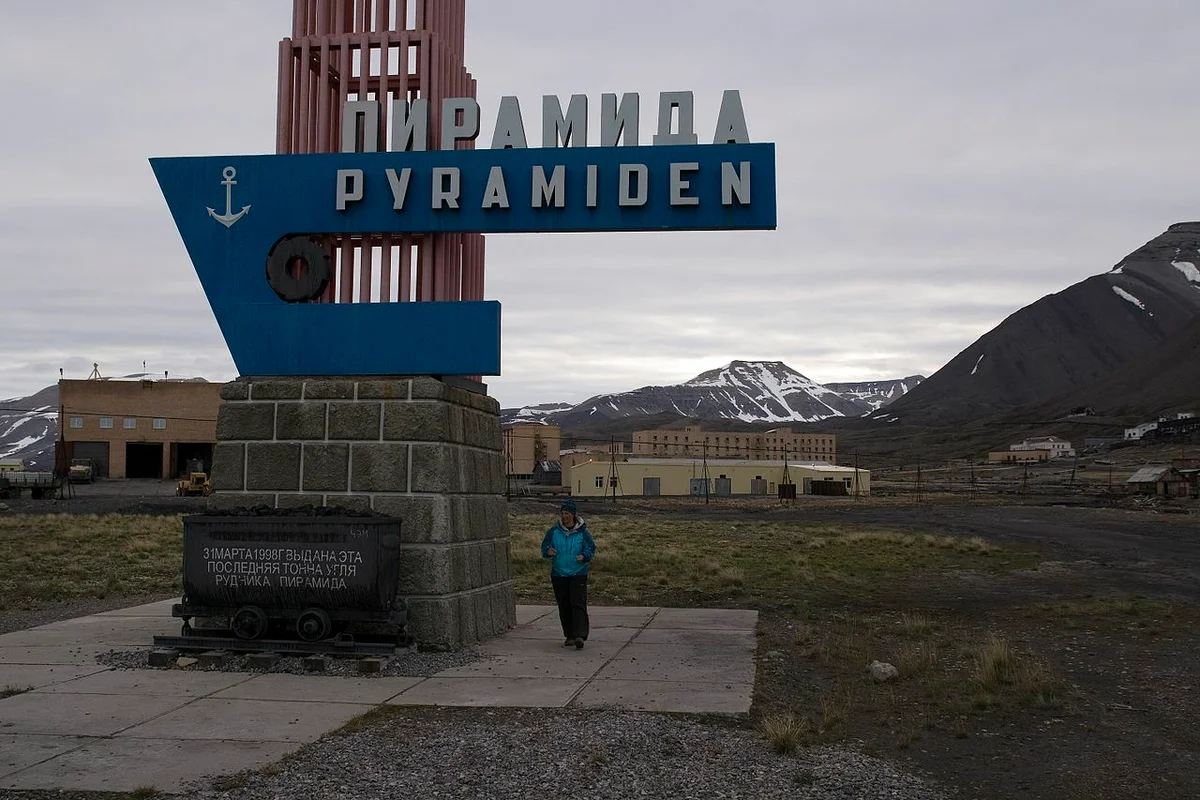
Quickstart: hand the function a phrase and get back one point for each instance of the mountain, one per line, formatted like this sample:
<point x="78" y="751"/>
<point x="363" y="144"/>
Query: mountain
<point x="746" y="391"/>
<point x="538" y="413"/>
<point x="28" y="428"/>
<point x="1164" y="380"/>
<point x="876" y="394"/>
<point x="1067" y="340"/>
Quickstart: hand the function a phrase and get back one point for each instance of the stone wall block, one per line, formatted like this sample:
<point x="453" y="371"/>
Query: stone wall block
<point x="304" y="421"/>
<point x="276" y="390"/>
<point x="379" y="467"/>
<point x="326" y="467"/>
<point x="383" y="390"/>
<point x="235" y="390"/>
<point x="429" y="389"/>
<point x="246" y="422"/>
<point x="435" y="621"/>
<point x="423" y="518"/>
<point x="417" y="422"/>
<point x="467" y="631"/>
<point x="329" y="390"/>
<point x="352" y="502"/>
<point x="229" y="467"/>
<point x="483" y="431"/>
<point x="436" y="468"/>
<point x="425" y="570"/>
<point x="273" y="467"/>
<point x="355" y="421"/>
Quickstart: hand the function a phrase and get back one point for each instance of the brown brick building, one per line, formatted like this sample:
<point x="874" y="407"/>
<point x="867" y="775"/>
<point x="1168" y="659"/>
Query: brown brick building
<point x="139" y="428"/>
<point x="694" y="441"/>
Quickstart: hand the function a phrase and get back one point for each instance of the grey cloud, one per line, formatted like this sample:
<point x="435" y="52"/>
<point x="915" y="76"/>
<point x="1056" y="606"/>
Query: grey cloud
<point x="941" y="164"/>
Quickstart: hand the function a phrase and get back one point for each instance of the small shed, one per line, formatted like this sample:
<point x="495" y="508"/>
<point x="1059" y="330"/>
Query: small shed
<point x="547" y="473"/>
<point x="11" y="465"/>
<point x="1161" y="480"/>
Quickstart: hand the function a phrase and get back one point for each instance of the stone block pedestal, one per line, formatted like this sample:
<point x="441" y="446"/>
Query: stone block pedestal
<point x="414" y="448"/>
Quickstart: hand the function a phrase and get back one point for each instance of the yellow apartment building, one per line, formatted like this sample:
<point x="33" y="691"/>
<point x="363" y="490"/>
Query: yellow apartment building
<point x="680" y="477"/>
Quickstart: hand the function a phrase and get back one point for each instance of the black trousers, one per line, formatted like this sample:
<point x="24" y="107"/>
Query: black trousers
<point x="571" y="595"/>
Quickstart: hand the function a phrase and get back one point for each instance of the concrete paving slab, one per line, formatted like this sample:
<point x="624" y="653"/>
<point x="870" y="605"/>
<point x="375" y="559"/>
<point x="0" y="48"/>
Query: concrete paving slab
<point x="247" y="721"/>
<point x="492" y="692"/>
<point x="699" y="640"/>
<point x="313" y="688"/>
<point x="79" y="714"/>
<point x="19" y="752"/>
<point x="79" y="655"/>
<point x="554" y="634"/>
<point x="705" y="619"/>
<point x="150" y="682"/>
<point x="35" y="676"/>
<point x="123" y="765"/>
<point x="94" y="630"/>
<point x="533" y="658"/>
<point x="673" y="696"/>
<point x="162" y="608"/>
<point x="527" y="614"/>
<point x="652" y="662"/>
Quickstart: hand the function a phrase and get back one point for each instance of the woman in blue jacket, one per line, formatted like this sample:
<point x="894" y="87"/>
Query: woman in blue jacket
<point x="569" y="544"/>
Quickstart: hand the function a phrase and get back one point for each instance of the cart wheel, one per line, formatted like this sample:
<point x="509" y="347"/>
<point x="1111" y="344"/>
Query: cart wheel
<point x="186" y="630"/>
<point x="313" y="625"/>
<point x="250" y="622"/>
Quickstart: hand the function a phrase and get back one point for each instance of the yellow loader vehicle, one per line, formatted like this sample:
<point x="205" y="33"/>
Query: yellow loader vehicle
<point x="194" y="485"/>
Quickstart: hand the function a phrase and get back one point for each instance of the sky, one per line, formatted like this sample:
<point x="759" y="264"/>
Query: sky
<point x="941" y="164"/>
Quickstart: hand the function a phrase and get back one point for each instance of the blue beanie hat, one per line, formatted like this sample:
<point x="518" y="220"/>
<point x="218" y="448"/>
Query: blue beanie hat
<point x="568" y="505"/>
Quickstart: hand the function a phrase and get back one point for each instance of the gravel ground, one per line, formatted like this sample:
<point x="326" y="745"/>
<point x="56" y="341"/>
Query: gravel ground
<point x="405" y="663"/>
<point x="19" y="619"/>
<point x="455" y="754"/>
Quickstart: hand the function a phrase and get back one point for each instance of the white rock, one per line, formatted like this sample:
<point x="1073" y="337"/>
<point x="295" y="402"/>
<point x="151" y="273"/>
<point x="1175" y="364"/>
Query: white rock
<point x="882" y="671"/>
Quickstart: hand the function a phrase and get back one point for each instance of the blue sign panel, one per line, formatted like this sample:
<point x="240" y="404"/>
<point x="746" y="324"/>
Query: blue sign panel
<point x="232" y="212"/>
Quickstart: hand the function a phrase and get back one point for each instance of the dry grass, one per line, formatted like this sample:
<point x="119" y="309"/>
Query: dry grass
<point x="998" y="671"/>
<point x="597" y="754"/>
<point x="13" y="691"/>
<point x="916" y="658"/>
<point x="59" y="557"/>
<point x="786" y="732"/>
<point x="644" y="559"/>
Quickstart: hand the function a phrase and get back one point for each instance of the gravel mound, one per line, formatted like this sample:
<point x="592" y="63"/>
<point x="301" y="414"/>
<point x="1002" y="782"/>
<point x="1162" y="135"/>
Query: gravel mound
<point x="498" y="754"/>
<point x="405" y="663"/>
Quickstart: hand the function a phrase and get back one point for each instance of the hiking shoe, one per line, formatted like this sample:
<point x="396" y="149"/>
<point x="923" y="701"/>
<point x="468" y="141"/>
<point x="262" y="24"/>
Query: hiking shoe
<point x="568" y="642"/>
<point x="579" y="644"/>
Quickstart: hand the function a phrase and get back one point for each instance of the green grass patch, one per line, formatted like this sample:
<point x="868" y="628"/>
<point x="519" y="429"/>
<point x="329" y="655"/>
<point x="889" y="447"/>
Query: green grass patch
<point x="64" y="557"/>
<point x="642" y="559"/>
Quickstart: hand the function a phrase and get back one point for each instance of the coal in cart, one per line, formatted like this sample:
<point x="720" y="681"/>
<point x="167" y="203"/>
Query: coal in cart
<point x="266" y="580"/>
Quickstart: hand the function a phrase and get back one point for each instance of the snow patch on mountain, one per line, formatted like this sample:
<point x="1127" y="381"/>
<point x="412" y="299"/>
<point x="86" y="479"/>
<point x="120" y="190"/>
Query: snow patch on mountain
<point x="1188" y="269"/>
<point x="1127" y="296"/>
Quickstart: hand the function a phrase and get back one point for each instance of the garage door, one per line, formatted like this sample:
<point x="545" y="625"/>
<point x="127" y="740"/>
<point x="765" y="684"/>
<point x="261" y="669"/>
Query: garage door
<point x="96" y="451"/>
<point x="651" y="487"/>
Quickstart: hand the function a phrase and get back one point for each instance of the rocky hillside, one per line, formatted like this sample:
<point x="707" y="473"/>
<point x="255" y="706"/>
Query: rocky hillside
<point x="745" y="391"/>
<point x="28" y="428"/>
<point x="876" y="394"/>
<point x="1067" y="340"/>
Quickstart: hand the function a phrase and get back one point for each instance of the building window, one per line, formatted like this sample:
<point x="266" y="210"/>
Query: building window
<point x="160" y="424"/>
<point x="130" y="423"/>
<point x="106" y="422"/>
<point x="76" y="422"/>
<point x="599" y="482"/>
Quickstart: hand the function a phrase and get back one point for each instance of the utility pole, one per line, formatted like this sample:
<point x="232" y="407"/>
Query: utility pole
<point x="612" y="467"/>
<point x="918" y="479"/>
<point x="1025" y="480"/>
<point x="705" y="452"/>
<point x="856" y="495"/>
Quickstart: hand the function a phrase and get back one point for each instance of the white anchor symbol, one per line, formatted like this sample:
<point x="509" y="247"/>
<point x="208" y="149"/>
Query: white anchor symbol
<point x="228" y="218"/>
